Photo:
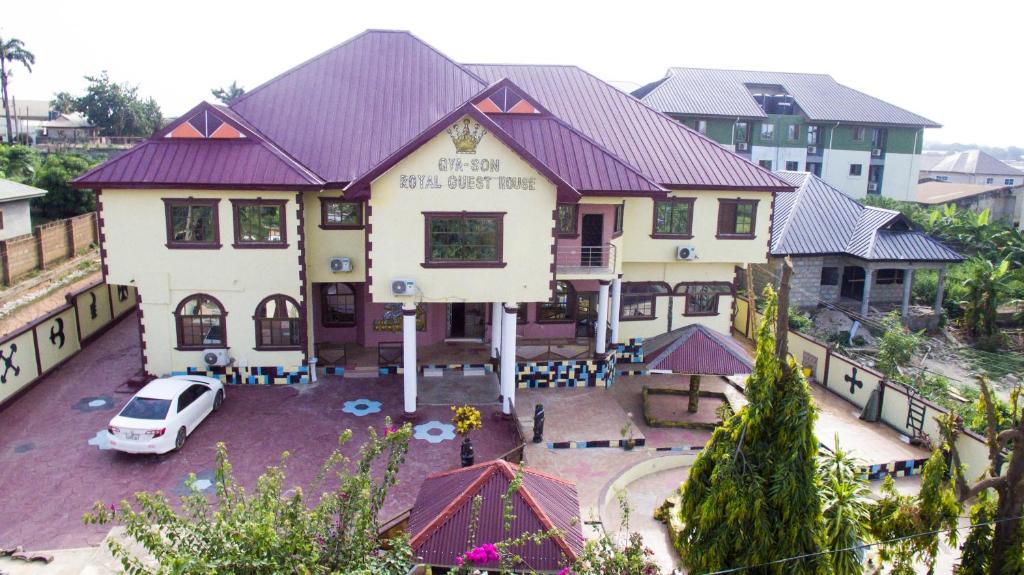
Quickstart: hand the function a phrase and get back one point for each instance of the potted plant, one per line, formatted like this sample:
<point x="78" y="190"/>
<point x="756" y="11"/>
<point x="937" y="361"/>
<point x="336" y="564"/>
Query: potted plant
<point x="466" y="419"/>
<point x="627" y="433"/>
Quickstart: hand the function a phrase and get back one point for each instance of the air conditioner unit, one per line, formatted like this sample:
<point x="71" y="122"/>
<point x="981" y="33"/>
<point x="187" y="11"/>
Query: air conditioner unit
<point x="216" y="357"/>
<point x="812" y="149"/>
<point x="741" y="147"/>
<point x="876" y="152"/>
<point x="341" y="264"/>
<point x="687" y="253"/>
<point x="872" y="186"/>
<point x="403" y="287"/>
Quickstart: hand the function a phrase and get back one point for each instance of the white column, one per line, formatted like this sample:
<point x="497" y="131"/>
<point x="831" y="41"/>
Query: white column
<point x="601" y="330"/>
<point x="409" y="355"/>
<point x="940" y="289"/>
<point x="496" y="314"/>
<point x="865" y="301"/>
<point x="616" y="303"/>
<point x="508" y="357"/>
<point x="908" y="281"/>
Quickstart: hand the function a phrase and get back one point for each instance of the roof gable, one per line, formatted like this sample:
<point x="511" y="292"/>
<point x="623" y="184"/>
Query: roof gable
<point x="974" y="162"/>
<point x="698" y="350"/>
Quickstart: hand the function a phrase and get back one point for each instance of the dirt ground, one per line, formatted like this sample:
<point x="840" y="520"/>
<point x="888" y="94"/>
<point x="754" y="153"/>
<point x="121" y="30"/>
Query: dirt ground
<point x="34" y="297"/>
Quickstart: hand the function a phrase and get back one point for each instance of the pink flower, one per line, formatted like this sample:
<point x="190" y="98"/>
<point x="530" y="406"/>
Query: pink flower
<point x="565" y="571"/>
<point x="388" y="430"/>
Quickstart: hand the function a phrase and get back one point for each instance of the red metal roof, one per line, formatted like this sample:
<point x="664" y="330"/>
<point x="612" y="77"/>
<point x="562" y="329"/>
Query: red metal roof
<point x="440" y="519"/>
<point x="698" y="350"/>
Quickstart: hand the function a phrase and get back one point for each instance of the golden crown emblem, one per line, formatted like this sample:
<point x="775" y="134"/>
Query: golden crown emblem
<point x="466" y="138"/>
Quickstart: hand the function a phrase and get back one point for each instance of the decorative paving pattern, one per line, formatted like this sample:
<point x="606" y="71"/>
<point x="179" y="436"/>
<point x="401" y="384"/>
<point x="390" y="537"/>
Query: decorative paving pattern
<point x="434" y="432"/>
<point x="98" y="403"/>
<point x="361" y="407"/>
<point x="100" y="440"/>
<point x="24" y="447"/>
<point x="204" y="482"/>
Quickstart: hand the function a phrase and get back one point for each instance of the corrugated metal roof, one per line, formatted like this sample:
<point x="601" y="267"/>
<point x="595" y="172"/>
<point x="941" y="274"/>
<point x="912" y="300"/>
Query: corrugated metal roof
<point x="659" y="147"/>
<point x="710" y="92"/>
<point x="819" y="219"/>
<point x="11" y="190"/>
<point x="935" y="192"/>
<point x="973" y="162"/>
<point x="440" y="519"/>
<point x="699" y="350"/>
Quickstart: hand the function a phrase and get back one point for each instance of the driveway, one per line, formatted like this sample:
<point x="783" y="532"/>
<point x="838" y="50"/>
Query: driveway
<point x="53" y="466"/>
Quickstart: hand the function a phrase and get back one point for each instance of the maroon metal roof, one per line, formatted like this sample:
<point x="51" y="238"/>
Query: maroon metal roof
<point x="699" y="350"/>
<point x="248" y="162"/>
<point x="344" y="111"/>
<point x="586" y="165"/>
<point x="440" y="519"/>
<point x="661" y="148"/>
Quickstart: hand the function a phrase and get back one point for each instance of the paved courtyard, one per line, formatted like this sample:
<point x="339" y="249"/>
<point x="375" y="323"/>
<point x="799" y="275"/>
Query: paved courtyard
<point x="53" y="466"/>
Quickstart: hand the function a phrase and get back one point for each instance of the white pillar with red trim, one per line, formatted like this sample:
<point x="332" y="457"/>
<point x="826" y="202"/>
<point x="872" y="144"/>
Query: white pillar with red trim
<point x="409" y="355"/>
<point x="601" y="329"/>
<point x="616" y="306"/>
<point x="508" y="357"/>
<point x="496" y="314"/>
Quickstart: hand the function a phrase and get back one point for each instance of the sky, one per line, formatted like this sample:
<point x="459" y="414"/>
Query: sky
<point x="959" y="64"/>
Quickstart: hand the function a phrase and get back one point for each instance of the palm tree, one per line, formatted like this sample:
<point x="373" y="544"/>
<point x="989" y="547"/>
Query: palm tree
<point x="12" y="51"/>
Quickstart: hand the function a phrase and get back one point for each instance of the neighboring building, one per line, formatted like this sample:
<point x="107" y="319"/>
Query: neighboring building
<point x="470" y="202"/>
<point x="72" y="127"/>
<point x="27" y="117"/>
<point x="15" y="212"/>
<point x="1005" y="203"/>
<point x="843" y="250"/>
<point x="799" y="122"/>
<point x="970" y="167"/>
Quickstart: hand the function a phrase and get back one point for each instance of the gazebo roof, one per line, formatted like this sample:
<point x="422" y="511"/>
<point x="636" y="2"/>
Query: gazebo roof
<point x="698" y="350"/>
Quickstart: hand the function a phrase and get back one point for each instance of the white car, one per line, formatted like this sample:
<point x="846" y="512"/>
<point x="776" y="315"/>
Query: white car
<point x="162" y="414"/>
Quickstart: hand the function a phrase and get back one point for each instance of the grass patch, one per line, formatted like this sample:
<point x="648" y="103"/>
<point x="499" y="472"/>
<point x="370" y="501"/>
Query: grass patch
<point x="994" y="365"/>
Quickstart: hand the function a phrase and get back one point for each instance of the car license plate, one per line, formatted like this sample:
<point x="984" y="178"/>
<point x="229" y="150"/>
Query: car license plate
<point x="131" y="436"/>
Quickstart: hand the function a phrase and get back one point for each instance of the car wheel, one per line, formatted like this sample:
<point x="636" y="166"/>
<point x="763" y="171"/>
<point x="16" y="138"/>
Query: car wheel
<point x="218" y="400"/>
<point x="179" y="441"/>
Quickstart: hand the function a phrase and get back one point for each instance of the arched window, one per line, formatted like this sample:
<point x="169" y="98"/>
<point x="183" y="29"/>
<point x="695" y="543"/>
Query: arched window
<point x="200" y="322"/>
<point x="339" y="305"/>
<point x="557" y="309"/>
<point x="278" y="323"/>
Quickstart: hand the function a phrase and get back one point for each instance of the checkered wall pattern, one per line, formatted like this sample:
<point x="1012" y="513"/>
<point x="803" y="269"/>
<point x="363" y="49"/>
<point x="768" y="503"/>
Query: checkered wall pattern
<point x="566" y="373"/>
<point x="270" y="375"/>
<point x="895" y="469"/>
<point x="632" y="352"/>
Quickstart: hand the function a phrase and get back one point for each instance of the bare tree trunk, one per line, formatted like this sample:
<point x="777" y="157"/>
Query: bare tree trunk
<point x="782" y="322"/>
<point x="751" y="301"/>
<point x="7" y="106"/>
<point x="694" y="394"/>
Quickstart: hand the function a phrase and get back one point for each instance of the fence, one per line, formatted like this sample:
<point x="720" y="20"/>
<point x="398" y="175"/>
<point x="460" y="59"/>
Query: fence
<point x="47" y="244"/>
<point x="897" y="406"/>
<point x="38" y="348"/>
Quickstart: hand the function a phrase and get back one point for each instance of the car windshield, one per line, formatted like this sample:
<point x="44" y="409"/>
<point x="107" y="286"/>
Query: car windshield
<point x="146" y="408"/>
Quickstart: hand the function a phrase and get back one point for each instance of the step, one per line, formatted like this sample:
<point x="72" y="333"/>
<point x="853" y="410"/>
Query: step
<point x="433" y="372"/>
<point x="473" y="371"/>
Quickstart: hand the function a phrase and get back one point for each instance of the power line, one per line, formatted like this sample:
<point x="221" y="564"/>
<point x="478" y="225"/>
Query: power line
<point x="863" y="546"/>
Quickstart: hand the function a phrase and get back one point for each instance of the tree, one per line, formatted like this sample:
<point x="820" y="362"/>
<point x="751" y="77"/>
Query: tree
<point x="987" y="287"/>
<point x="271" y="529"/>
<point x="117" y="110"/>
<point x="996" y="548"/>
<point x="228" y="93"/>
<point x="54" y="176"/>
<point x="752" y="495"/>
<point x="64" y="103"/>
<point x="18" y="163"/>
<point x="845" y="509"/>
<point x="12" y="51"/>
<point x="897" y="347"/>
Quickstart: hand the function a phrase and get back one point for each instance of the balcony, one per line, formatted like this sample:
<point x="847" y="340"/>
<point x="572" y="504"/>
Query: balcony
<point x="585" y="260"/>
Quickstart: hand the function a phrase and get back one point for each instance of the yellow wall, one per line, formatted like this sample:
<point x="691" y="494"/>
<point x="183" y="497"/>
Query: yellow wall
<point x="54" y="349"/>
<point x="322" y="245"/>
<point x="135" y="237"/>
<point x="397" y="239"/>
<point x="94" y="309"/>
<point x="639" y="246"/>
<point x="674" y="273"/>
<point x="24" y="359"/>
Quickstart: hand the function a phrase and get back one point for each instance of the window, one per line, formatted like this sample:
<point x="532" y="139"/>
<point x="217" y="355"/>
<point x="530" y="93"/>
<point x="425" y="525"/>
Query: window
<point x="990" y="180"/>
<point x="767" y="131"/>
<point x="766" y="164"/>
<point x="736" y="218"/>
<point x="858" y="133"/>
<point x="557" y="310"/>
<point x="942" y="178"/>
<point x="192" y="223"/>
<point x="793" y="132"/>
<point x="829" y="276"/>
<point x="259" y="223"/>
<point x="889" y="276"/>
<point x="339" y="305"/>
<point x="1" y="219"/>
<point x="742" y="131"/>
<point x="673" y="218"/>
<point x="521" y="314"/>
<point x="190" y="395"/>
<point x="337" y="214"/>
<point x="200" y="323"/>
<point x="702" y="298"/>
<point x="1008" y="182"/>
<point x="638" y="300"/>
<point x="463" y="239"/>
<point x="812" y="135"/>
<point x="793" y="166"/>
<point x="702" y="126"/>
<point x="146" y="408"/>
<point x="855" y="169"/>
<point x="278" y="323"/>
<point x="620" y="211"/>
<point x="568" y="218"/>
<point x="814" y="168"/>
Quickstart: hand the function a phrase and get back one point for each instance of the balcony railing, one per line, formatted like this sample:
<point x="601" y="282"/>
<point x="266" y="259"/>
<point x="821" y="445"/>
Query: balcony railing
<point x="585" y="259"/>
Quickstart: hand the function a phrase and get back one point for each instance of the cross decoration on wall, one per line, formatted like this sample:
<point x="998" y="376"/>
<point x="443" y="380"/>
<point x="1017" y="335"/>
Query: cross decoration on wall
<point x="853" y="381"/>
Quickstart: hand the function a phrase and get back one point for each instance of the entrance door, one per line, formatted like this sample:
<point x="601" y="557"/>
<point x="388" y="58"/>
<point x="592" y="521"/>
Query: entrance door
<point x="591" y="239"/>
<point x="466" y="320"/>
<point x="586" y="313"/>
<point x="852" y="285"/>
